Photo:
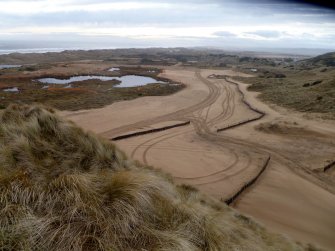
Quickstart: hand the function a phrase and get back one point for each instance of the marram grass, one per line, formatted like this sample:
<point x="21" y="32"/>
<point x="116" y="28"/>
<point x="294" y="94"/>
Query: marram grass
<point x="62" y="188"/>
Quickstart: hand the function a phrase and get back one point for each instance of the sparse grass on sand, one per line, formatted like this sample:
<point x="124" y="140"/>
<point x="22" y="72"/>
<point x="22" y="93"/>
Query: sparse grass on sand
<point x="309" y="90"/>
<point x="65" y="189"/>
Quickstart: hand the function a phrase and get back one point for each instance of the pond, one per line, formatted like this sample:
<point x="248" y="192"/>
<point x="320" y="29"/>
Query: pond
<point x="8" y="66"/>
<point x="114" y="69"/>
<point x="13" y="89"/>
<point x="125" y="81"/>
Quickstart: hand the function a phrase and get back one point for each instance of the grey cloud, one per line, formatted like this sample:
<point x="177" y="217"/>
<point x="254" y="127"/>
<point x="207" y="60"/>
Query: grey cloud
<point x="266" y="33"/>
<point x="188" y="13"/>
<point x="224" y="34"/>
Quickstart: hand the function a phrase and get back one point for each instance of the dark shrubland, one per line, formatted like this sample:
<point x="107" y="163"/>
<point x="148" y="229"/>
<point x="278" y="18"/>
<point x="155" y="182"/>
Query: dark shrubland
<point x="65" y="189"/>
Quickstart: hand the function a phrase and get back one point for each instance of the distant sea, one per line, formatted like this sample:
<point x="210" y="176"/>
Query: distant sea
<point x="7" y="47"/>
<point x="44" y="50"/>
<point x="33" y="50"/>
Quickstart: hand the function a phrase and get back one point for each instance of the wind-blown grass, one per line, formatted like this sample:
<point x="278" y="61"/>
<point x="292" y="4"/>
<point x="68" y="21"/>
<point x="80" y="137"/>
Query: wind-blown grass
<point x="65" y="189"/>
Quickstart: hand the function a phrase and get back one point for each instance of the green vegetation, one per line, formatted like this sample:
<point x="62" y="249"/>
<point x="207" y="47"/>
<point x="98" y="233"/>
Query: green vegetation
<point x="65" y="189"/>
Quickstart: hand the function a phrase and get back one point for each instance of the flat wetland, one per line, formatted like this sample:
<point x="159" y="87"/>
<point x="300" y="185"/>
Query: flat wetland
<point x="75" y="86"/>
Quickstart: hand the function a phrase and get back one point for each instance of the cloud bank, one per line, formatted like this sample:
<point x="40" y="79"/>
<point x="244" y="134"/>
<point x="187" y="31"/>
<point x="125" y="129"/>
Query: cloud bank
<point x="170" y="22"/>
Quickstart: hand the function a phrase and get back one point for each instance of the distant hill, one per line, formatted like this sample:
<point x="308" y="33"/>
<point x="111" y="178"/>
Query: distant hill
<point x="65" y="189"/>
<point x="327" y="59"/>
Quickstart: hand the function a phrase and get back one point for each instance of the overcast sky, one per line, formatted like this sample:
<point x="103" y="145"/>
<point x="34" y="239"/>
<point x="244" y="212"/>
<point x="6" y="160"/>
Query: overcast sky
<point x="226" y="23"/>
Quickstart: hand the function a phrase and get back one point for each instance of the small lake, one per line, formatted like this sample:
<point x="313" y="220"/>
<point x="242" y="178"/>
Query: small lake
<point x="13" y="89"/>
<point x="8" y="66"/>
<point x="114" y="69"/>
<point x="125" y="81"/>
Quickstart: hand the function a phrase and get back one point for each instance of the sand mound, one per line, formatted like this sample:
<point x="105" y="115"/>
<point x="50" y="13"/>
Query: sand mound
<point x="286" y="128"/>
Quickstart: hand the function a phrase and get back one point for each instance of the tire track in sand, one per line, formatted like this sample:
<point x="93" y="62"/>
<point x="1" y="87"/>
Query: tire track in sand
<point x="201" y="127"/>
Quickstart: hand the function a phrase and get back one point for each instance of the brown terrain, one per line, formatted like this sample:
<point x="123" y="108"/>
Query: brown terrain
<point x="280" y="156"/>
<point x="87" y="94"/>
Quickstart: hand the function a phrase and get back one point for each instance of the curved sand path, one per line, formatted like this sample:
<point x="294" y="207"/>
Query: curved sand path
<point x="220" y="163"/>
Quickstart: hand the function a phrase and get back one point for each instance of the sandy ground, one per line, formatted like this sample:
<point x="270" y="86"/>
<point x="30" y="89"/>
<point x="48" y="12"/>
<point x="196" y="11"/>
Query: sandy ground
<point x="289" y="197"/>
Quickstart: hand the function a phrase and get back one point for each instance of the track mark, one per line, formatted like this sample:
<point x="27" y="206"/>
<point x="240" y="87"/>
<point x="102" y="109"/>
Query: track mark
<point x="248" y="184"/>
<point x="135" y="134"/>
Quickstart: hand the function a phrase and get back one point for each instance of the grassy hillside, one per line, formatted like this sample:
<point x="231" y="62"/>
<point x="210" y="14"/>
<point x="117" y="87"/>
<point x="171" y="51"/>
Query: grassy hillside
<point x="299" y="87"/>
<point x="65" y="189"/>
<point x="327" y="59"/>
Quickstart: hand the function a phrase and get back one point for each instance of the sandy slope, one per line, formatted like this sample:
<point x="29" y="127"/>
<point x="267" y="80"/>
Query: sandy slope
<point x="287" y="203"/>
<point x="283" y="200"/>
<point x="288" y="197"/>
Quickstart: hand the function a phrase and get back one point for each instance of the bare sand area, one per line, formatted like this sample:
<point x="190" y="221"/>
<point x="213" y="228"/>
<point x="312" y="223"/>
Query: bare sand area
<point x="291" y="195"/>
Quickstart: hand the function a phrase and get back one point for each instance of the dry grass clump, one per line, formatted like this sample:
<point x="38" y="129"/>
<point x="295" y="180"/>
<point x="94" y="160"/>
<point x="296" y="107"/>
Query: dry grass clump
<point x="287" y="128"/>
<point x="64" y="189"/>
